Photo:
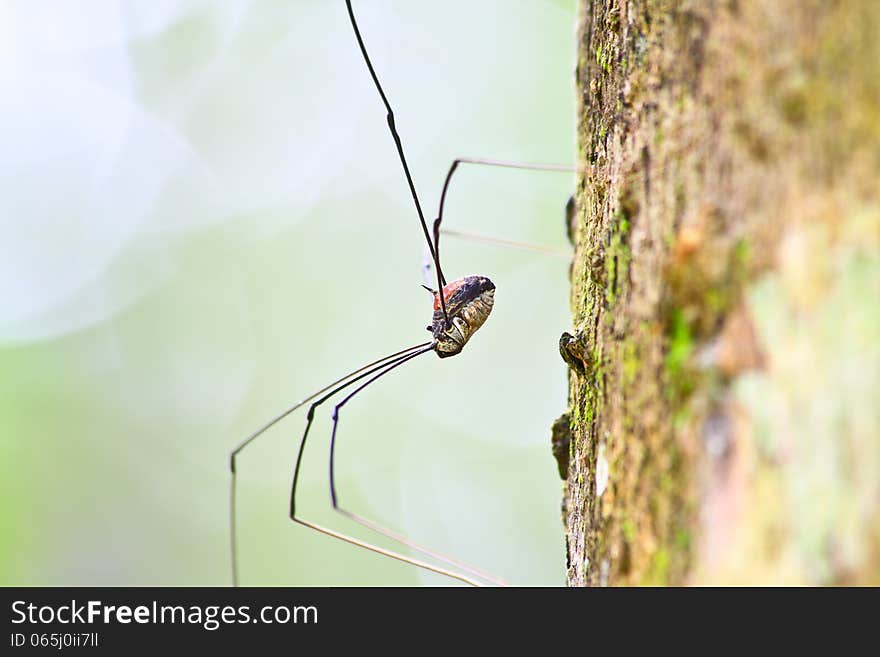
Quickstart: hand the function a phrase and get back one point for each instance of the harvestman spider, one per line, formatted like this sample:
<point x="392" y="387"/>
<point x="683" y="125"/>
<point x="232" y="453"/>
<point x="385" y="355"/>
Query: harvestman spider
<point x="460" y="308"/>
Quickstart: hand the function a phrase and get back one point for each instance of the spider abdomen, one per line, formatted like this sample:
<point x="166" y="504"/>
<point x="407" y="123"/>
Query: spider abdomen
<point x="469" y="301"/>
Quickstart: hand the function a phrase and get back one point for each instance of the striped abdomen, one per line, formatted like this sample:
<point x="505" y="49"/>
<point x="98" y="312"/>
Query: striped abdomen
<point x="468" y="303"/>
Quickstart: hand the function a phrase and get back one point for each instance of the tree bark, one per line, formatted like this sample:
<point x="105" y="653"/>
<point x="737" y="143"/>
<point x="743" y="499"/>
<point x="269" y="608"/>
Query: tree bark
<point x="724" y="365"/>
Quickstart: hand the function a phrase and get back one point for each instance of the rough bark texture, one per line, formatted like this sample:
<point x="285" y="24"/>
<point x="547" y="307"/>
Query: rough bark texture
<point x="723" y="404"/>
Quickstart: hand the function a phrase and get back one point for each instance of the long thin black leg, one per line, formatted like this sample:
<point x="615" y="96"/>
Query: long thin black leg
<point x="388" y="368"/>
<point x="492" y="163"/>
<point x="377" y="372"/>
<point x="397" y="142"/>
<point x="381" y="369"/>
<point x="369" y="524"/>
<point x="437" y="245"/>
<point x="359" y="373"/>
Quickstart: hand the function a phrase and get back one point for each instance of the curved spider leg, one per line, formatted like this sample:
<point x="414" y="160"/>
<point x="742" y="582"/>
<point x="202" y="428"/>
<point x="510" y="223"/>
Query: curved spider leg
<point x="358" y="374"/>
<point x="563" y="168"/>
<point x="643" y="171"/>
<point x="374" y="526"/>
<point x="377" y="373"/>
<point x="441" y="280"/>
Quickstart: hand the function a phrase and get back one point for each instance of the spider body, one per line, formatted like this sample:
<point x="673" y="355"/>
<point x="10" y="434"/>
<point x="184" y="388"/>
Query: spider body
<point x="469" y="301"/>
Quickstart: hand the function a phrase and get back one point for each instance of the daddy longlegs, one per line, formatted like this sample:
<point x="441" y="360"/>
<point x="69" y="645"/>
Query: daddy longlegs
<point x="460" y="307"/>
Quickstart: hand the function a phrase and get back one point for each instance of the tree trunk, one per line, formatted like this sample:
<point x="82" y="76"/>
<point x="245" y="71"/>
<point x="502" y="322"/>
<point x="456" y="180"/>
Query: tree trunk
<point x="725" y="367"/>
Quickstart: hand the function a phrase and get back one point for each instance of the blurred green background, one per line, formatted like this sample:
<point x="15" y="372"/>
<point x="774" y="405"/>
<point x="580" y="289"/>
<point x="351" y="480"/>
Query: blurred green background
<point x="205" y="221"/>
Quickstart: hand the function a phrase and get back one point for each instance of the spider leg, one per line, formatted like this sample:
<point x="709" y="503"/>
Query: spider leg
<point x="337" y="385"/>
<point x="377" y="373"/>
<point x="565" y="168"/>
<point x="369" y="524"/>
<point x="399" y="145"/>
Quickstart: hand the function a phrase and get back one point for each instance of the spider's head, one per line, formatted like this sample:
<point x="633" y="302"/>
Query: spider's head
<point x="469" y="301"/>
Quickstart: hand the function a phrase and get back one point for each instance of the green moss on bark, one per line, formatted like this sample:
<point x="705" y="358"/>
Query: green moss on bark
<point x="702" y="128"/>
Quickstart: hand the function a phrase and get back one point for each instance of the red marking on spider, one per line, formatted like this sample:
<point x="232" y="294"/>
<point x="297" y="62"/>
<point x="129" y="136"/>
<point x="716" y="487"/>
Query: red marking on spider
<point x="448" y="290"/>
